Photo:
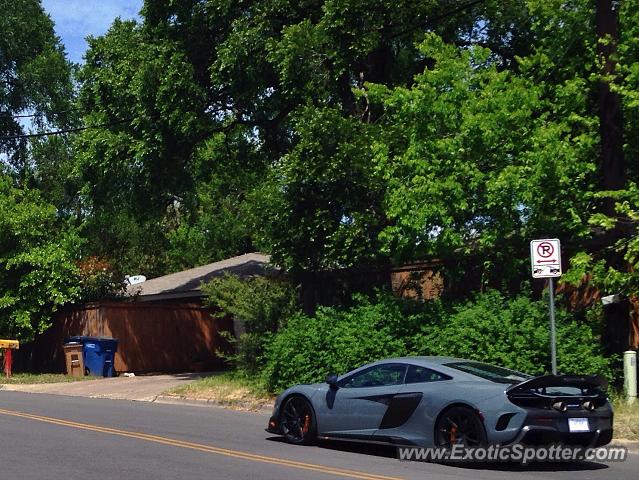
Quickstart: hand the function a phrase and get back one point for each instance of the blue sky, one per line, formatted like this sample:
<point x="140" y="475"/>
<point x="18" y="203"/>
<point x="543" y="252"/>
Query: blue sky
<point x="76" y="19"/>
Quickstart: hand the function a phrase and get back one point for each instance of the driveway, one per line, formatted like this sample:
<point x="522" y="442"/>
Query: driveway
<point x="142" y="388"/>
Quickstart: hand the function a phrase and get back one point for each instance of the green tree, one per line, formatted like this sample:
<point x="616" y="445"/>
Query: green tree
<point x="610" y="260"/>
<point x="203" y="90"/>
<point x="37" y="247"/>
<point x="35" y="80"/>
<point x="620" y="275"/>
<point x="163" y="181"/>
<point x="38" y="273"/>
<point x="337" y="134"/>
<point x="259" y="307"/>
<point x="133" y="172"/>
<point x="321" y="207"/>
<point x="478" y="160"/>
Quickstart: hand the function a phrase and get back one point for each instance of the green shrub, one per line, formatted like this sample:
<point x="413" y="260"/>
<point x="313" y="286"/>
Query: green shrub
<point x="335" y="341"/>
<point x="262" y="304"/>
<point x="512" y="332"/>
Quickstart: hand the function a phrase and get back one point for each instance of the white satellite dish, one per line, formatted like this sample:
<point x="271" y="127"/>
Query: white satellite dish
<point x="134" y="279"/>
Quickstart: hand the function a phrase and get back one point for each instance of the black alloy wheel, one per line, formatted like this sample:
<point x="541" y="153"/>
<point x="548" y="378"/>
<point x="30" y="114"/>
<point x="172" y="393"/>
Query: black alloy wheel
<point x="459" y="426"/>
<point x="298" y="421"/>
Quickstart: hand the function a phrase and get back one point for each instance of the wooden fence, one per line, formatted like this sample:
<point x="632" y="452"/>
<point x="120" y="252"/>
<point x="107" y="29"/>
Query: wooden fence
<point x="153" y="337"/>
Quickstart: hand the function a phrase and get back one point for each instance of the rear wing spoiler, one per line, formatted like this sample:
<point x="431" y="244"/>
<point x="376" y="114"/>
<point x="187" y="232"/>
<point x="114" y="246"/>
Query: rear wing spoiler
<point x="579" y="381"/>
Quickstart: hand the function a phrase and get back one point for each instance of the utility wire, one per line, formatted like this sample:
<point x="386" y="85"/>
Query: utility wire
<point x="61" y="132"/>
<point x="427" y="22"/>
<point x="33" y="115"/>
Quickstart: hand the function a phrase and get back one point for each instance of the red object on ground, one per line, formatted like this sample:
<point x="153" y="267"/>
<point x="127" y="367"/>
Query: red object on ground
<point x="8" y="360"/>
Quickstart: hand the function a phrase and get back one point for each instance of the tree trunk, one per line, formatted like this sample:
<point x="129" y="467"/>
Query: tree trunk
<point x="613" y="168"/>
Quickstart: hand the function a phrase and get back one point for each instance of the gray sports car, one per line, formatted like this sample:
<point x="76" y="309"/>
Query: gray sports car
<point x="440" y="401"/>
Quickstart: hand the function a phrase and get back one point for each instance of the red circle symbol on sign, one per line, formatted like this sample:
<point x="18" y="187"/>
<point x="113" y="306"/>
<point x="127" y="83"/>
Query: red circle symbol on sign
<point x="545" y="249"/>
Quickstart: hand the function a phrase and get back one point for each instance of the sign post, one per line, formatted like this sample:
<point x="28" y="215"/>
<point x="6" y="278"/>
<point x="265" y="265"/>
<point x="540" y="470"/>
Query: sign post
<point x="553" y="329"/>
<point x="545" y="257"/>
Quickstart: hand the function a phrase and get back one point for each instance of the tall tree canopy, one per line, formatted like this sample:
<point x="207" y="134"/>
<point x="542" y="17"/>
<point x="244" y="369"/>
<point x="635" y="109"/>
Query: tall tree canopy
<point x="338" y="134"/>
<point x="333" y="134"/>
<point x="38" y="248"/>
<point x="35" y="79"/>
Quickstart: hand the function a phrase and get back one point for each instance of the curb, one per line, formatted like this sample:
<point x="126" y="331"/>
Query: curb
<point x="203" y="402"/>
<point x="208" y="402"/>
<point x="631" y="445"/>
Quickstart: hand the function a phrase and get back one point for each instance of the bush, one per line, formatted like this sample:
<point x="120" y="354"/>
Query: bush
<point x="99" y="280"/>
<point x="262" y="304"/>
<point x="514" y="333"/>
<point x="335" y="341"/>
<point x="509" y="332"/>
<point x="38" y="274"/>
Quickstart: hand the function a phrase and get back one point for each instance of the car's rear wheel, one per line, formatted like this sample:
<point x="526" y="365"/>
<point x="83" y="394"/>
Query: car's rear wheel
<point x="459" y="426"/>
<point x="298" y="421"/>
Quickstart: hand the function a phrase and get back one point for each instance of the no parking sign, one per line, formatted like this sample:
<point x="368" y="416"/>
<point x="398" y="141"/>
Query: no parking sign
<point x="545" y="256"/>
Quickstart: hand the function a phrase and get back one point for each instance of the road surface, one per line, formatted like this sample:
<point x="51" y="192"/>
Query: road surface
<point x="61" y="438"/>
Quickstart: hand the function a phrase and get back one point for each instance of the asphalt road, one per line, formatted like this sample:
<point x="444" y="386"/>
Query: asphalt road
<point x="61" y="438"/>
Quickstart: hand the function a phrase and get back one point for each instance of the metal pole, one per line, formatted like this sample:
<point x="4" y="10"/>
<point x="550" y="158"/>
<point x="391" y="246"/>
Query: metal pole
<point x="553" y="331"/>
<point x="630" y="375"/>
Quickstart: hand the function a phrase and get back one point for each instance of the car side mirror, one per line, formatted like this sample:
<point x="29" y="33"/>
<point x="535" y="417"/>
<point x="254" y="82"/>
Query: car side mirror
<point x="331" y="379"/>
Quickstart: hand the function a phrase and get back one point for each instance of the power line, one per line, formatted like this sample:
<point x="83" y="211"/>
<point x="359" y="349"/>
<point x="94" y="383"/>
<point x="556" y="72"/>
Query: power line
<point x="425" y="23"/>
<point x="33" y="115"/>
<point x="61" y="132"/>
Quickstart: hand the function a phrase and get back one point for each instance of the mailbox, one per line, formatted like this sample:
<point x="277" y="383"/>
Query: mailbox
<point x="8" y="346"/>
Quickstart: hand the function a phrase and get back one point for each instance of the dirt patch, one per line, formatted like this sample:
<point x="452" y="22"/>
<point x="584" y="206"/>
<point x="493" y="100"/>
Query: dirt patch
<point x="626" y="420"/>
<point x="226" y="390"/>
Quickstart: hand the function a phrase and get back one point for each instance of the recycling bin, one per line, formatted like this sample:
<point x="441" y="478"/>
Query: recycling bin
<point x="98" y="354"/>
<point x="73" y="358"/>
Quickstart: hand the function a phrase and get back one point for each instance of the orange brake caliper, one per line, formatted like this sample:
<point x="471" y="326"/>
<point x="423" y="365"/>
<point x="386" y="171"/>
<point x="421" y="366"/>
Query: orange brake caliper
<point x="307" y="424"/>
<point x="453" y="432"/>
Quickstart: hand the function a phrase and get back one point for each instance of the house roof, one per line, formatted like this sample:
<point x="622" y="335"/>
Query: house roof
<point x="188" y="283"/>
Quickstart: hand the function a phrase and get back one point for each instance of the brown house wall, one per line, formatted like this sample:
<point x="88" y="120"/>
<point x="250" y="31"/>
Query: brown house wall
<point x="152" y="337"/>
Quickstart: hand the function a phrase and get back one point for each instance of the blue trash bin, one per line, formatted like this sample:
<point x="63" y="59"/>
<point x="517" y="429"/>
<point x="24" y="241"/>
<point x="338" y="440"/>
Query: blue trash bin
<point x="98" y="354"/>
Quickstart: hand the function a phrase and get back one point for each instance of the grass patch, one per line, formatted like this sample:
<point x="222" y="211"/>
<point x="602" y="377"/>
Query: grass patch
<point x="33" y="378"/>
<point x="229" y="389"/>
<point x="626" y="420"/>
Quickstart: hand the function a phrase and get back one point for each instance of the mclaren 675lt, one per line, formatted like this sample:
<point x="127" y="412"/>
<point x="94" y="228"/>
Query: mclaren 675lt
<point x="441" y="401"/>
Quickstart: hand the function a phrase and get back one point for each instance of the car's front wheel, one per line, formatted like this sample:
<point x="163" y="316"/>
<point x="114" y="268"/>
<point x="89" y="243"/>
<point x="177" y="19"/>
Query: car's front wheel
<point x="459" y="426"/>
<point x="298" y="421"/>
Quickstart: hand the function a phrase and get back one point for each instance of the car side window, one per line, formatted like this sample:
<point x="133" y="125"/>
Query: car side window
<point x="417" y="374"/>
<point x="377" y="376"/>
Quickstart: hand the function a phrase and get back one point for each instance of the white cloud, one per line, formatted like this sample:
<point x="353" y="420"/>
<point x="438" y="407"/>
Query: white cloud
<point x="77" y="19"/>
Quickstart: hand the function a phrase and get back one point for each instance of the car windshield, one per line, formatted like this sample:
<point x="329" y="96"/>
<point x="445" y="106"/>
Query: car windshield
<point x="490" y="372"/>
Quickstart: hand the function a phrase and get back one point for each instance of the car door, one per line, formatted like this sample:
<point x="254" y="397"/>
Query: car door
<point x="410" y="414"/>
<point x="355" y="409"/>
